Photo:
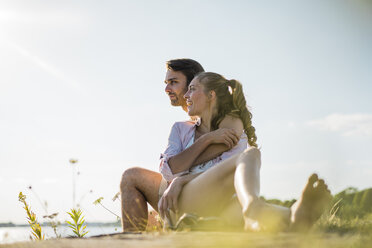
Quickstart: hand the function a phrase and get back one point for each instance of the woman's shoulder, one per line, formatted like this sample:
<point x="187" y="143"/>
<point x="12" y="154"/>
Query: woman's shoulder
<point x="232" y="121"/>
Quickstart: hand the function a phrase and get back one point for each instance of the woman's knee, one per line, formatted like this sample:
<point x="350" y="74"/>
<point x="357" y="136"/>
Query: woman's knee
<point x="251" y="156"/>
<point x="252" y="151"/>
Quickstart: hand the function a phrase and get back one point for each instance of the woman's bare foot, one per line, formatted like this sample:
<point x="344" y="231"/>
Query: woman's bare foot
<point x="262" y="216"/>
<point x="310" y="206"/>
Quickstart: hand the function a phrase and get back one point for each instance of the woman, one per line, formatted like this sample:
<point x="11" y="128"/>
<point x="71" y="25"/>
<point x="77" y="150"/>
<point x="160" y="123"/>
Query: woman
<point x="207" y="189"/>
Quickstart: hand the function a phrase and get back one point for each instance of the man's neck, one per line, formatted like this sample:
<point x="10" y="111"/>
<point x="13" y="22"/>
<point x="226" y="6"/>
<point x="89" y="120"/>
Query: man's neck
<point x="184" y="107"/>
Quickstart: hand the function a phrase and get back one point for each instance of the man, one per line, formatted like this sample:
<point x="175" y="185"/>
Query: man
<point x="179" y="74"/>
<point x="139" y="186"/>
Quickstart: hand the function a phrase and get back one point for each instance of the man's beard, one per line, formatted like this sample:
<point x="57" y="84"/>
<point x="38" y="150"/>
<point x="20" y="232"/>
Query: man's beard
<point x="175" y="101"/>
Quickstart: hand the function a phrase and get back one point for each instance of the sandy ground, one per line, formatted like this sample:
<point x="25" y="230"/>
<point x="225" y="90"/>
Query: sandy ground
<point x="204" y="239"/>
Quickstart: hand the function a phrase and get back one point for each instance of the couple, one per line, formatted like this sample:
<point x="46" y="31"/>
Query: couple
<point x="211" y="166"/>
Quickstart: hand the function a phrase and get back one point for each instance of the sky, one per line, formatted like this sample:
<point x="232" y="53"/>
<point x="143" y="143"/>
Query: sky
<point x="85" y="80"/>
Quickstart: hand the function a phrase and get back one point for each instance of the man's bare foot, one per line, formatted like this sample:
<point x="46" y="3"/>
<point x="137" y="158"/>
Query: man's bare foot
<point x="309" y="207"/>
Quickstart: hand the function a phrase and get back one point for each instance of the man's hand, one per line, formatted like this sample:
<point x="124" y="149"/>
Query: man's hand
<point x="169" y="200"/>
<point x="227" y="136"/>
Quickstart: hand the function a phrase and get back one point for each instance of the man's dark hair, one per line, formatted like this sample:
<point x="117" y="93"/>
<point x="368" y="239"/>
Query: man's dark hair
<point x="189" y="67"/>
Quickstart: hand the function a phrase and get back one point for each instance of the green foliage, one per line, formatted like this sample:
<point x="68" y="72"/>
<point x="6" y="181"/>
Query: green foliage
<point x="356" y="199"/>
<point x="345" y="226"/>
<point x="366" y="201"/>
<point x="354" y="203"/>
<point x="32" y="220"/>
<point x="77" y="224"/>
<point x="287" y="203"/>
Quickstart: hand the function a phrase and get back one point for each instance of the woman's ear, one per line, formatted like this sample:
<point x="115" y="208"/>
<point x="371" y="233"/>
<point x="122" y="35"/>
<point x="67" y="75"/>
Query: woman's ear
<point x="212" y="95"/>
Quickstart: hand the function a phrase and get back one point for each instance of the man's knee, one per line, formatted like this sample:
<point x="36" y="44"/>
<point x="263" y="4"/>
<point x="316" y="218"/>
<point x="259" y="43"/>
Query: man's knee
<point x="129" y="177"/>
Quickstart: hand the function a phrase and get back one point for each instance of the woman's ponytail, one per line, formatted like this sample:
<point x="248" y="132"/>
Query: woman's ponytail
<point x="240" y="104"/>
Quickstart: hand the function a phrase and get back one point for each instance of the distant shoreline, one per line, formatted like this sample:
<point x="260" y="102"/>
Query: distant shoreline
<point x="11" y="224"/>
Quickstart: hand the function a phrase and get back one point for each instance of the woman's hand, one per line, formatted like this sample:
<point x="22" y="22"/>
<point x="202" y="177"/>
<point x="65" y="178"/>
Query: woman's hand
<point x="169" y="200"/>
<point x="227" y="136"/>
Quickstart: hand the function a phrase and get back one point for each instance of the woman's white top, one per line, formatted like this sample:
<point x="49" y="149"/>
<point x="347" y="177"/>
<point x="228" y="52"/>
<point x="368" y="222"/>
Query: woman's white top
<point x="181" y="137"/>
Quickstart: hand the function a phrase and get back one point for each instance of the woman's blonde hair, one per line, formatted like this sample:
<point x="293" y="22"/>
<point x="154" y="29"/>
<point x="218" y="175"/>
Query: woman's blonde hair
<point x="230" y="101"/>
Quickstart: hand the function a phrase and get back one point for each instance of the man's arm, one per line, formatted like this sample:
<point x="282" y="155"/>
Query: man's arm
<point x="185" y="159"/>
<point x="215" y="150"/>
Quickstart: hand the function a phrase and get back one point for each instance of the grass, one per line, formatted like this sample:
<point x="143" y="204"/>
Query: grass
<point x="347" y="224"/>
<point x="330" y="231"/>
<point x="354" y="226"/>
<point x="36" y="231"/>
<point x="77" y="225"/>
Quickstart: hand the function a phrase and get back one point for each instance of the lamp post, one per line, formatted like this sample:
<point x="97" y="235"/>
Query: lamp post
<point x="73" y="164"/>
